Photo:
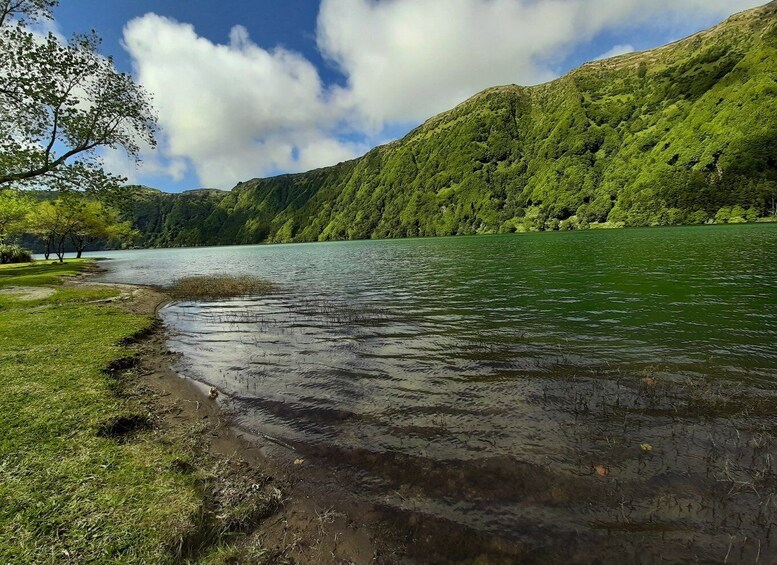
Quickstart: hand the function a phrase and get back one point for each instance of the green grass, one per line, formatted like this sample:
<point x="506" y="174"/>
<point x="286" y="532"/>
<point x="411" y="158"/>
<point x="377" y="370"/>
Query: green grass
<point x="40" y="273"/>
<point x="67" y="494"/>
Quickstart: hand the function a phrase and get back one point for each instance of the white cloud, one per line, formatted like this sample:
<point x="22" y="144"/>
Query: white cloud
<point x="152" y="163"/>
<point x="237" y="111"/>
<point x="234" y="111"/>
<point x="615" y="51"/>
<point x="406" y="60"/>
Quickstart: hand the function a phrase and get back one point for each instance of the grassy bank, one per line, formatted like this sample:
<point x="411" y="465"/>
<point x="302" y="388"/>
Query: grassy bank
<point x="86" y="472"/>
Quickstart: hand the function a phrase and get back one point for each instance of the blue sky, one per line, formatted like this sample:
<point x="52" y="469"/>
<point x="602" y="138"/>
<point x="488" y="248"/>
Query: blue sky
<point x="252" y="88"/>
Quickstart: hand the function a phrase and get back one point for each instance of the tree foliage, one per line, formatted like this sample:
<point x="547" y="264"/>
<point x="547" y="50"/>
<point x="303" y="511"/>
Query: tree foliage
<point x="24" y="10"/>
<point x="76" y="219"/>
<point x="92" y="221"/>
<point x="14" y="209"/>
<point x="60" y="103"/>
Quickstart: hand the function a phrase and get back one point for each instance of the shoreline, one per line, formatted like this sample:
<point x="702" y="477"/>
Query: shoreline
<point x="95" y="254"/>
<point x="646" y="461"/>
<point x="307" y="526"/>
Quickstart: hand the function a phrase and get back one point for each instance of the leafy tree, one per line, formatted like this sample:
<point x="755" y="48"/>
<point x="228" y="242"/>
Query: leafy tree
<point x="60" y="103"/>
<point x="48" y="222"/>
<point x="78" y="219"/>
<point x="698" y="217"/>
<point x="738" y="213"/>
<point x="90" y="221"/>
<point x="723" y="215"/>
<point x="14" y="208"/>
<point x="22" y="10"/>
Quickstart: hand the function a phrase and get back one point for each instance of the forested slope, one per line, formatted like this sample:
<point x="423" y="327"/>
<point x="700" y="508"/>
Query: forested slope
<point x="681" y="134"/>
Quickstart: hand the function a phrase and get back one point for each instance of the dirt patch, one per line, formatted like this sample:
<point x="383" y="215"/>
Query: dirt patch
<point x="123" y="426"/>
<point x="29" y="293"/>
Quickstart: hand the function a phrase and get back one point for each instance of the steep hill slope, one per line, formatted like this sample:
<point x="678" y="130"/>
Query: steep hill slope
<point x="669" y="136"/>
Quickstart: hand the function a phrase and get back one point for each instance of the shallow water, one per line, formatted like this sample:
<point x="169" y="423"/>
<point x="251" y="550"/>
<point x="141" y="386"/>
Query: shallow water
<point x="490" y="394"/>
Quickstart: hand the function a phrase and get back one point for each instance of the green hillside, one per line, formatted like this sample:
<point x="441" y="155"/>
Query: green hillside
<point x="686" y="133"/>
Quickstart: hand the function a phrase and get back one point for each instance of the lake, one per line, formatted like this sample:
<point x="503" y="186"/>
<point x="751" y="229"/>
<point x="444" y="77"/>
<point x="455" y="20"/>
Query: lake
<point x="521" y="397"/>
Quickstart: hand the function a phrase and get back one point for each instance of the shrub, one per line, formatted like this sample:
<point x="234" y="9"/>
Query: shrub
<point x="698" y="217"/>
<point x="752" y="214"/>
<point x="737" y="215"/>
<point x="14" y="254"/>
<point x="723" y="215"/>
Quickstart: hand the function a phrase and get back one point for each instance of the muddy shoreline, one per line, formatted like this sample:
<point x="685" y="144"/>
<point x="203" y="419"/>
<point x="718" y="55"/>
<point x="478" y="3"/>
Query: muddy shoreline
<point x="637" y="466"/>
<point x="308" y="526"/>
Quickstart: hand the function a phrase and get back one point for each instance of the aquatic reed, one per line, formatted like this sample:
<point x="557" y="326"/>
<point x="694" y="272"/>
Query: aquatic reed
<point x="212" y="287"/>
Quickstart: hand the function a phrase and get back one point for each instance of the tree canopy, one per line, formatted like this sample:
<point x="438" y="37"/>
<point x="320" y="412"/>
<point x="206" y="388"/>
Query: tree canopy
<point x="14" y="208"/>
<point x="60" y="103"/>
<point x="23" y="10"/>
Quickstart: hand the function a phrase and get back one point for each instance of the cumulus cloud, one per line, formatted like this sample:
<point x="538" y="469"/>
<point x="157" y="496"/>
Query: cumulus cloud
<point x="237" y="110"/>
<point x="233" y="111"/>
<point x="153" y="163"/>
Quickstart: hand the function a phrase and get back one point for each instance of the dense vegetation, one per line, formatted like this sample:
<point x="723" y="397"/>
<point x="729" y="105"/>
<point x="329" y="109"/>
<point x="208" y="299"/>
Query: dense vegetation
<point x="52" y="222"/>
<point x="683" y="134"/>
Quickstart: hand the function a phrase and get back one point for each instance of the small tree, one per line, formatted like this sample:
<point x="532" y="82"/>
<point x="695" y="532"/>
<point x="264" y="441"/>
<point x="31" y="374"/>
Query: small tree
<point x="46" y="221"/>
<point x="77" y="219"/>
<point x="698" y="217"/>
<point x="92" y="222"/>
<point x="738" y="214"/>
<point x="723" y="215"/>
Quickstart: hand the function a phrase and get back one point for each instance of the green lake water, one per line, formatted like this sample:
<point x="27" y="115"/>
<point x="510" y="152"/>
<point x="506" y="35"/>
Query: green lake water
<point x="491" y="393"/>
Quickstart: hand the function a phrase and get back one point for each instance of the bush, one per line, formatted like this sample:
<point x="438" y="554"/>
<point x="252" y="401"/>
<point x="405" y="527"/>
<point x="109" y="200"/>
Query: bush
<point x="723" y="215"/>
<point x="699" y="217"/>
<point x="14" y="254"/>
<point x="752" y="214"/>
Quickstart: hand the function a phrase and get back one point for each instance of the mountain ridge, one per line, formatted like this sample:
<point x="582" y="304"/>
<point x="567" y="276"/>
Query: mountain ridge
<point x="666" y="136"/>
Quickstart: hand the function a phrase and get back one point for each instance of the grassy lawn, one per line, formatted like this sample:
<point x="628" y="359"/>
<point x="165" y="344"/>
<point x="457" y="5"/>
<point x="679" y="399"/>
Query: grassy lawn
<point x="70" y="490"/>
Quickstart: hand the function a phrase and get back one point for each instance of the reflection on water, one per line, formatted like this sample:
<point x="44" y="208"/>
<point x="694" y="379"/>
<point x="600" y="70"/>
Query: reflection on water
<point x="491" y="394"/>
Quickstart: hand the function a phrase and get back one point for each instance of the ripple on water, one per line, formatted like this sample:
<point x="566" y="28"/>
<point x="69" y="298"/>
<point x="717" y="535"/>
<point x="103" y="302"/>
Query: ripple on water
<point x="491" y="394"/>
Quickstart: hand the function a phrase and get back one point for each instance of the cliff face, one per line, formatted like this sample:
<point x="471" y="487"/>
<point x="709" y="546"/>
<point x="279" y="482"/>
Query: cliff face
<point x="667" y="136"/>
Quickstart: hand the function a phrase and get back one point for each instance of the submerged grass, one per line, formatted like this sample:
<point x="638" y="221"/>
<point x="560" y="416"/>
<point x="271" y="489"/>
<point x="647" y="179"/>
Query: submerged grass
<point x="85" y="476"/>
<point x="213" y="287"/>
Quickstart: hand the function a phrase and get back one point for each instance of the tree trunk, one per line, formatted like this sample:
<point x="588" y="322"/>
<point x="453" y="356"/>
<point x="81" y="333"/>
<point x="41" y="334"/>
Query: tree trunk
<point x="47" y="254"/>
<point x="79" y="243"/>
<point x="61" y="250"/>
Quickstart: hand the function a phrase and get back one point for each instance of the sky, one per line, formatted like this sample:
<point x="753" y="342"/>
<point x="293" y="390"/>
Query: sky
<point x="256" y="88"/>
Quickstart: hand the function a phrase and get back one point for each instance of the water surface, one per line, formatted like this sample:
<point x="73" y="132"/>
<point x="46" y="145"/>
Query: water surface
<point x="490" y="394"/>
